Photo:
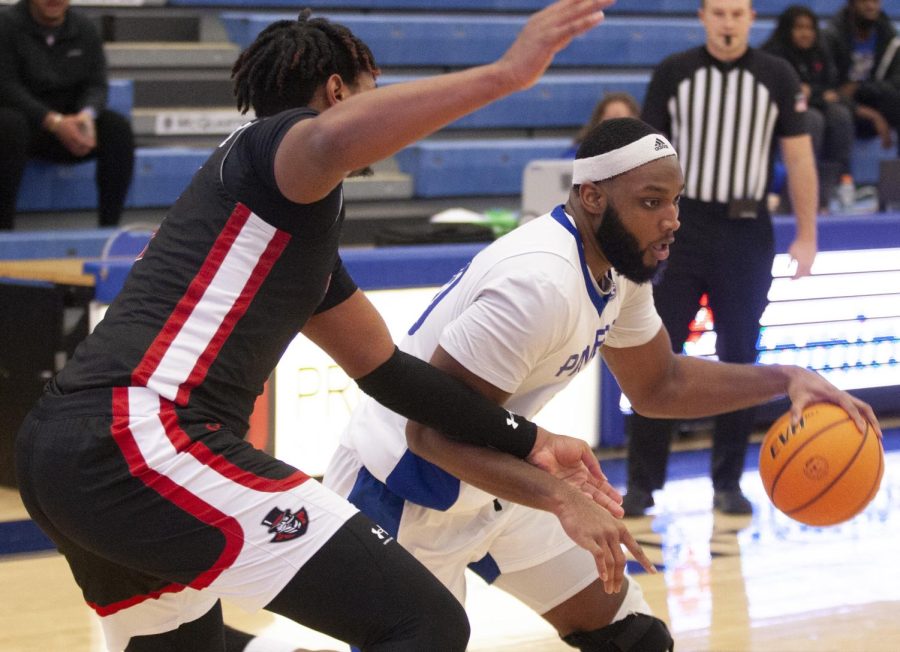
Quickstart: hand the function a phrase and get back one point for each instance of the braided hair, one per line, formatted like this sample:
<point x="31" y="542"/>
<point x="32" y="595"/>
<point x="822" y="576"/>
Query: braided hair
<point x="291" y="59"/>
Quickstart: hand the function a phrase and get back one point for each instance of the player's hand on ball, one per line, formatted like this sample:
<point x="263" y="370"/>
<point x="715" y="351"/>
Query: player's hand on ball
<point x="806" y="387"/>
<point x="572" y="460"/>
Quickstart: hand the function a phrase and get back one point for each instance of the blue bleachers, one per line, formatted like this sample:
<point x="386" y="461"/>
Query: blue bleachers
<point x="477" y="167"/>
<point x="493" y="167"/>
<point x="486" y="6"/>
<point x="866" y="158"/>
<point x="440" y="168"/>
<point x="121" y="96"/>
<point x="58" y="243"/>
<point x="556" y="101"/>
<point x="160" y="174"/>
<point x="663" y="7"/>
<point x="463" y="40"/>
<point x="618" y="56"/>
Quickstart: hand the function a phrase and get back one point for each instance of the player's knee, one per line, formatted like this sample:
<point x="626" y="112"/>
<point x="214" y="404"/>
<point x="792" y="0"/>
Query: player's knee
<point x="435" y="621"/>
<point x="446" y="630"/>
<point x="635" y="633"/>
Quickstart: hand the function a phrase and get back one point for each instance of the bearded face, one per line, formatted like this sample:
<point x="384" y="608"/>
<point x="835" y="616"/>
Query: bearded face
<point x="622" y="249"/>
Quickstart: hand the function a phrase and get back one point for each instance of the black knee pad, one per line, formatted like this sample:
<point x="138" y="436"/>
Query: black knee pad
<point x="634" y="633"/>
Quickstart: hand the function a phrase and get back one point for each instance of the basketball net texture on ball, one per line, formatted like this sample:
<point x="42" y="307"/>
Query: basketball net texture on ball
<point x="823" y="471"/>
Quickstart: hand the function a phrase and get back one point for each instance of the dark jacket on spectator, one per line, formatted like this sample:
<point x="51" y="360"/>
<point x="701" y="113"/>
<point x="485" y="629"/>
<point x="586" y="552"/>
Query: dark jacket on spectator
<point x="36" y="77"/>
<point x="814" y="66"/>
<point x="886" y="71"/>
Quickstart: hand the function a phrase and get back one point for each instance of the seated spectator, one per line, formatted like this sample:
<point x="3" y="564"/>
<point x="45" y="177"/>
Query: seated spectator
<point x="796" y="39"/>
<point x="616" y="104"/>
<point x="866" y="51"/>
<point x="53" y="89"/>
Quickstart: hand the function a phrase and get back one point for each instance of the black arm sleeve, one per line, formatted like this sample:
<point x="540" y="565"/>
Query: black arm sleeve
<point x="423" y="393"/>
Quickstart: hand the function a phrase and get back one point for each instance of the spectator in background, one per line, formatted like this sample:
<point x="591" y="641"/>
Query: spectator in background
<point x="829" y="118"/>
<point x="866" y="51"/>
<point x="53" y="90"/>
<point x="617" y="104"/>
<point x="726" y="242"/>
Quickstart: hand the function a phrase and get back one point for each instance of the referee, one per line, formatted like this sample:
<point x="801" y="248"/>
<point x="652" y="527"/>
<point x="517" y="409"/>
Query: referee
<point x="722" y="105"/>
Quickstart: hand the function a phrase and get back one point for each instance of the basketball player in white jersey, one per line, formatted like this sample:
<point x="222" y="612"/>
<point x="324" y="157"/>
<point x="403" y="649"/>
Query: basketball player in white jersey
<point x="517" y="324"/>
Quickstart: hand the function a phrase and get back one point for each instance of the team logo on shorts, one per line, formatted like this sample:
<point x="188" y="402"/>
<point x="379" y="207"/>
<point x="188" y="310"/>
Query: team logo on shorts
<point x="285" y="524"/>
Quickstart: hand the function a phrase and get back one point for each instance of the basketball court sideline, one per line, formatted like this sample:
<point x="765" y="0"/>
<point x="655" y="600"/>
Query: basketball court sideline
<point x="726" y="584"/>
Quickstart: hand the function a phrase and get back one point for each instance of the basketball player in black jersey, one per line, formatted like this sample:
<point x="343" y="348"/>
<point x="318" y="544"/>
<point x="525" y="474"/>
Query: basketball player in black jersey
<point x="134" y="460"/>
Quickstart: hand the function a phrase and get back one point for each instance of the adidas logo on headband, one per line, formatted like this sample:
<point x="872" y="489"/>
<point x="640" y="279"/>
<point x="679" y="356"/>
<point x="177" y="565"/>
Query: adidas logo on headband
<point x="618" y="161"/>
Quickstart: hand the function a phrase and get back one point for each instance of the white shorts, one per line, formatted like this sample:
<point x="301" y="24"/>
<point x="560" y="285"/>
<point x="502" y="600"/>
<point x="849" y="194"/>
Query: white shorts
<point x="500" y="542"/>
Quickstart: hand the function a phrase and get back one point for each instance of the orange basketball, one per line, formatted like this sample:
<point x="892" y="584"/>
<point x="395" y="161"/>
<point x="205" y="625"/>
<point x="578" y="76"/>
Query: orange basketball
<point x="822" y="471"/>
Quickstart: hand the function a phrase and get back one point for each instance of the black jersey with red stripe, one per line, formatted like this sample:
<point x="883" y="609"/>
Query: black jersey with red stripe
<point x="231" y="276"/>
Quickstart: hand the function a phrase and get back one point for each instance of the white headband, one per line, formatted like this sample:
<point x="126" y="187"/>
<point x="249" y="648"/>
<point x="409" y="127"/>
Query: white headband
<point x="611" y="164"/>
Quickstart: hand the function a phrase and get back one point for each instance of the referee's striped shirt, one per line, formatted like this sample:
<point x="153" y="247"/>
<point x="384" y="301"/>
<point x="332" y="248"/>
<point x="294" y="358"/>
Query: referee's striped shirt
<point x="722" y="118"/>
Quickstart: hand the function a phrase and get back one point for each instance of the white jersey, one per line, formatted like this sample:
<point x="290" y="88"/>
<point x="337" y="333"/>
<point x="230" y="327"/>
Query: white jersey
<point x="526" y="315"/>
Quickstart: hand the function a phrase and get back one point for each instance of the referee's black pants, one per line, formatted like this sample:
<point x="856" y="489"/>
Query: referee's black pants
<point x="20" y="141"/>
<point x="731" y="261"/>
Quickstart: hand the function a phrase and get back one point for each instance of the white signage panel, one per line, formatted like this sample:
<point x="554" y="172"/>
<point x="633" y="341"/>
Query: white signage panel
<point x="314" y="397"/>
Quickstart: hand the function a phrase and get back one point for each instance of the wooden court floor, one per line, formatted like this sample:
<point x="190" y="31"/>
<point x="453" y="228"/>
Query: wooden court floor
<point x="727" y="584"/>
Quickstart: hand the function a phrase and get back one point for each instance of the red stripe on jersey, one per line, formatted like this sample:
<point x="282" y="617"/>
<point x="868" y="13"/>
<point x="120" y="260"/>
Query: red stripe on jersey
<point x="257" y="276"/>
<point x="192" y="296"/>
<point x="178" y="496"/>
<point x="205" y="456"/>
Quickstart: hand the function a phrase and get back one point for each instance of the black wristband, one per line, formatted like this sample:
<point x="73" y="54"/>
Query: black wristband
<point x="423" y="393"/>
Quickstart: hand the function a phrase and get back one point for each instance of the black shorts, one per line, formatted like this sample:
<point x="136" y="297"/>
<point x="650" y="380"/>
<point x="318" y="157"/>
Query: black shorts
<point x="157" y="525"/>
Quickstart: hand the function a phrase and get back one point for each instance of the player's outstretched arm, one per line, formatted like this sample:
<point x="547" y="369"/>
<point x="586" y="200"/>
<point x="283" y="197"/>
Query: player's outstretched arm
<point x="661" y="384"/>
<point x="315" y="155"/>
